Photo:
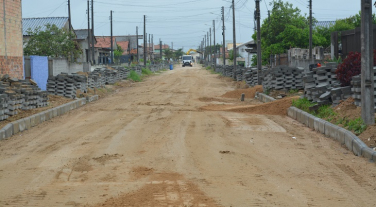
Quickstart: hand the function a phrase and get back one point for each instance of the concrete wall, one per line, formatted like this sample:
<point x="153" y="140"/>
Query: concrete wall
<point x="298" y="57"/>
<point x="11" y="49"/>
<point x="61" y="65"/>
<point x="39" y="70"/>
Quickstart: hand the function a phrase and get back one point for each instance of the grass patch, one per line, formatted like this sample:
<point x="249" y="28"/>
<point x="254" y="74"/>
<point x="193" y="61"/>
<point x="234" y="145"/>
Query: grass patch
<point x="134" y="76"/>
<point x="303" y="104"/>
<point x="292" y="91"/>
<point x="326" y="112"/>
<point x="146" y="71"/>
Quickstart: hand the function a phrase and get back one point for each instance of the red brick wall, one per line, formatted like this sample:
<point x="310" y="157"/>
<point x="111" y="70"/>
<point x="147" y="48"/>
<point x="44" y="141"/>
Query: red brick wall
<point x="11" y="48"/>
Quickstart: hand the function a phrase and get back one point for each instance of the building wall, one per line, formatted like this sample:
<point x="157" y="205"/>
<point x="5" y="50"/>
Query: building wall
<point x="244" y="54"/>
<point x="11" y="49"/>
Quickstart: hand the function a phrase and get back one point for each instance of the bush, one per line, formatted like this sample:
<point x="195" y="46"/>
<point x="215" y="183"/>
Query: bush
<point x="146" y="71"/>
<point x="134" y="76"/>
<point x="350" y="67"/>
<point x="303" y="104"/>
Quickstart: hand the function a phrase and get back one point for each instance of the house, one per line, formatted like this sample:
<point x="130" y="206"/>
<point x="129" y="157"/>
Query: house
<point x="34" y="23"/>
<point x="11" y="49"/>
<point x="128" y="43"/>
<point x="245" y="56"/>
<point x="82" y="38"/>
<point x="157" y="50"/>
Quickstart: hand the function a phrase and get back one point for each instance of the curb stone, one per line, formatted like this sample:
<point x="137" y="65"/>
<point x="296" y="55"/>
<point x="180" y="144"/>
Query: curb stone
<point x="36" y="119"/>
<point x="343" y="136"/>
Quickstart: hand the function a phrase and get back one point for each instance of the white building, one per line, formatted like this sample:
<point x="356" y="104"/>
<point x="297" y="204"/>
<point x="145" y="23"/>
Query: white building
<point x="244" y="55"/>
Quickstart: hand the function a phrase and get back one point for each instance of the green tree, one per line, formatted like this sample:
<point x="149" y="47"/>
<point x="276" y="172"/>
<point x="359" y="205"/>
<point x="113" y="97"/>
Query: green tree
<point x="178" y="53"/>
<point x="118" y="53"/>
<point x="231" y="55"/>
<point x="52" y="42"/>
<point x="168" y="54"/>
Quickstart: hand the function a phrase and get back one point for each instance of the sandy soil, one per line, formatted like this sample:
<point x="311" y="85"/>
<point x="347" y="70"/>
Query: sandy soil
<point x="152" y="144"/>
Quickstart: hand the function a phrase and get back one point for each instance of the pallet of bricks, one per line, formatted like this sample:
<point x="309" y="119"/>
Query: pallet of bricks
<point x="322" y="86"/>
<point x="67" y="85"/>
<point x="16" y="95"/>
<point x="283" y="78"/>
<point x="250" y="76"/>
<point x="356" y="88"/>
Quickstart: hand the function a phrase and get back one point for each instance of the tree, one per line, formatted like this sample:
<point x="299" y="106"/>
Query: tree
<point x="168" y="53"/>
<point x="286" y="28"/>
<point x="231" y="55"/>
<point x="52" y="42"/>
<point x="178" y="53"/>
<point x="118" y="53"/>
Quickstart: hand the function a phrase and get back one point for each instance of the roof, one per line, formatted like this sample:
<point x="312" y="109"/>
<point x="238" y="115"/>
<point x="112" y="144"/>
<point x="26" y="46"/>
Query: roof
<point x="34" y="23"/>
<point x="156" y="47"/>
<point x="325" y="24"/>
<point x="250" y="42"/>
<point x="104" y="41"/>
<point x="81" y="34"/>
<point x="123" y="45"/>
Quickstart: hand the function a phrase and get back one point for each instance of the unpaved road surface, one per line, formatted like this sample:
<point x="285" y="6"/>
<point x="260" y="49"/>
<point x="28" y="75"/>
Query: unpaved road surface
<point x="153" y="144"/>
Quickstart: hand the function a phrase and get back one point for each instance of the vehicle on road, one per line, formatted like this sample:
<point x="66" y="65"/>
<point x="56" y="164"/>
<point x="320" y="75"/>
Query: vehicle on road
<point x="187" y="60"/>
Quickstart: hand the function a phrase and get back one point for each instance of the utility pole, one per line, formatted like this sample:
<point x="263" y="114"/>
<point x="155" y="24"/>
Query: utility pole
<point x="149" y="47"/>
<point x="259" y="59"/>
<point x="215" y="50"/>
<point x="172" y="46"/>
<point x="145" y="40"/>
<point x="137" y="44"/>
<point x="367" y="79"/>
<point x="160" y="49"/>
<point x="271" y="59"/>
<point x="112" y="42"/>
<point x="88" y="56"/>
<point x="70" y="26"/>
<point x="210" y="47"/>
<point x="152" y="46"/>
<point x="207" y="45"/>
<point x="234" y="37"/>
<point x="223" y="34"/>
<point x="92" y="31"/>
<point x="310" y="32"/>
<point x="205" y="49"/>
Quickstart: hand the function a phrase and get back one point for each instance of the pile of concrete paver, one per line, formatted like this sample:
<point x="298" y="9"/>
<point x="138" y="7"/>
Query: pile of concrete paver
<point x="18" y="95"/>
<point x="67" y="85"/>
<point x="322" y="86"/>
<point x="356" y="89"/>
<point x="283" y="78"/>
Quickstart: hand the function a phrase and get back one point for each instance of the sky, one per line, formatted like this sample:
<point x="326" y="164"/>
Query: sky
<point x="181" y="22"/>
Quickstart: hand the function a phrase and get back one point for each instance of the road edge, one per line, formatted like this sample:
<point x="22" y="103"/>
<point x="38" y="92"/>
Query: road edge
<point x="339" y="134"/>
<point x="28" y="122"/>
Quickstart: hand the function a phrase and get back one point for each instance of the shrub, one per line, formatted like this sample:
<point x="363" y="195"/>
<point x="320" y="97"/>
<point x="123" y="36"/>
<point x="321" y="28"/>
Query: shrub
<point x="303" y="104"/>
<point x="350" y="67"/>
<point x="146" y="71"/>
<point x="326" y="112"/>
<point x="134" y="76"/>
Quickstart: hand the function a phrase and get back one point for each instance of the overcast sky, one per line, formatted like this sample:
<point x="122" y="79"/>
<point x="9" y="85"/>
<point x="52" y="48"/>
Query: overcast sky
<point x="182" y="22"/>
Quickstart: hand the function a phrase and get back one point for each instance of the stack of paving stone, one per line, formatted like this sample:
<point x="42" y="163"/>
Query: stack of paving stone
<point x="67" y="85"/>
<point x="282" y="78"/>
<point x="219" y="69"/>
<point x="228" y="71"/>
<point x="18" y="95"/>
<point x="3" y="105"/>
<point x="239" y="73"/>
<point x="251" y="76"/>
<point x="321" y="85"/>
<point x="111" y="76"/>
<point x="357" y="89"/>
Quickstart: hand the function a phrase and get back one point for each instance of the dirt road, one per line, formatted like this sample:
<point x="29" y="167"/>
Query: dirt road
<point x="153" y="144"/>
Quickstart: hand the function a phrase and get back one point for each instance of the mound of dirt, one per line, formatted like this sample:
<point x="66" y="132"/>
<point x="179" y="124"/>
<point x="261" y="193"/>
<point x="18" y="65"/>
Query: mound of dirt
<point x="348" y="109"/>
<point x="369" y="136"/>
<point x="249" y="92"/>
<point x="278" y="107"/>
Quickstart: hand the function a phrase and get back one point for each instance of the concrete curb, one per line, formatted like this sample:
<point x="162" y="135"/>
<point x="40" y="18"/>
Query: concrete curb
<point x="343" y="136"/>
<point x="36" y="119"/>
<point x="263" y="97"/>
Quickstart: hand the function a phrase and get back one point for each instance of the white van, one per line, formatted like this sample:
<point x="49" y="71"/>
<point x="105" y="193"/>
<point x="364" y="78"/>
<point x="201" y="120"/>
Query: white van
<point x="187" y="60"/>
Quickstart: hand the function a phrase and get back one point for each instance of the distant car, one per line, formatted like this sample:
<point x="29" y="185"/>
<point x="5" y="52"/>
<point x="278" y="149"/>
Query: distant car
<point x="187" y="60"/>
